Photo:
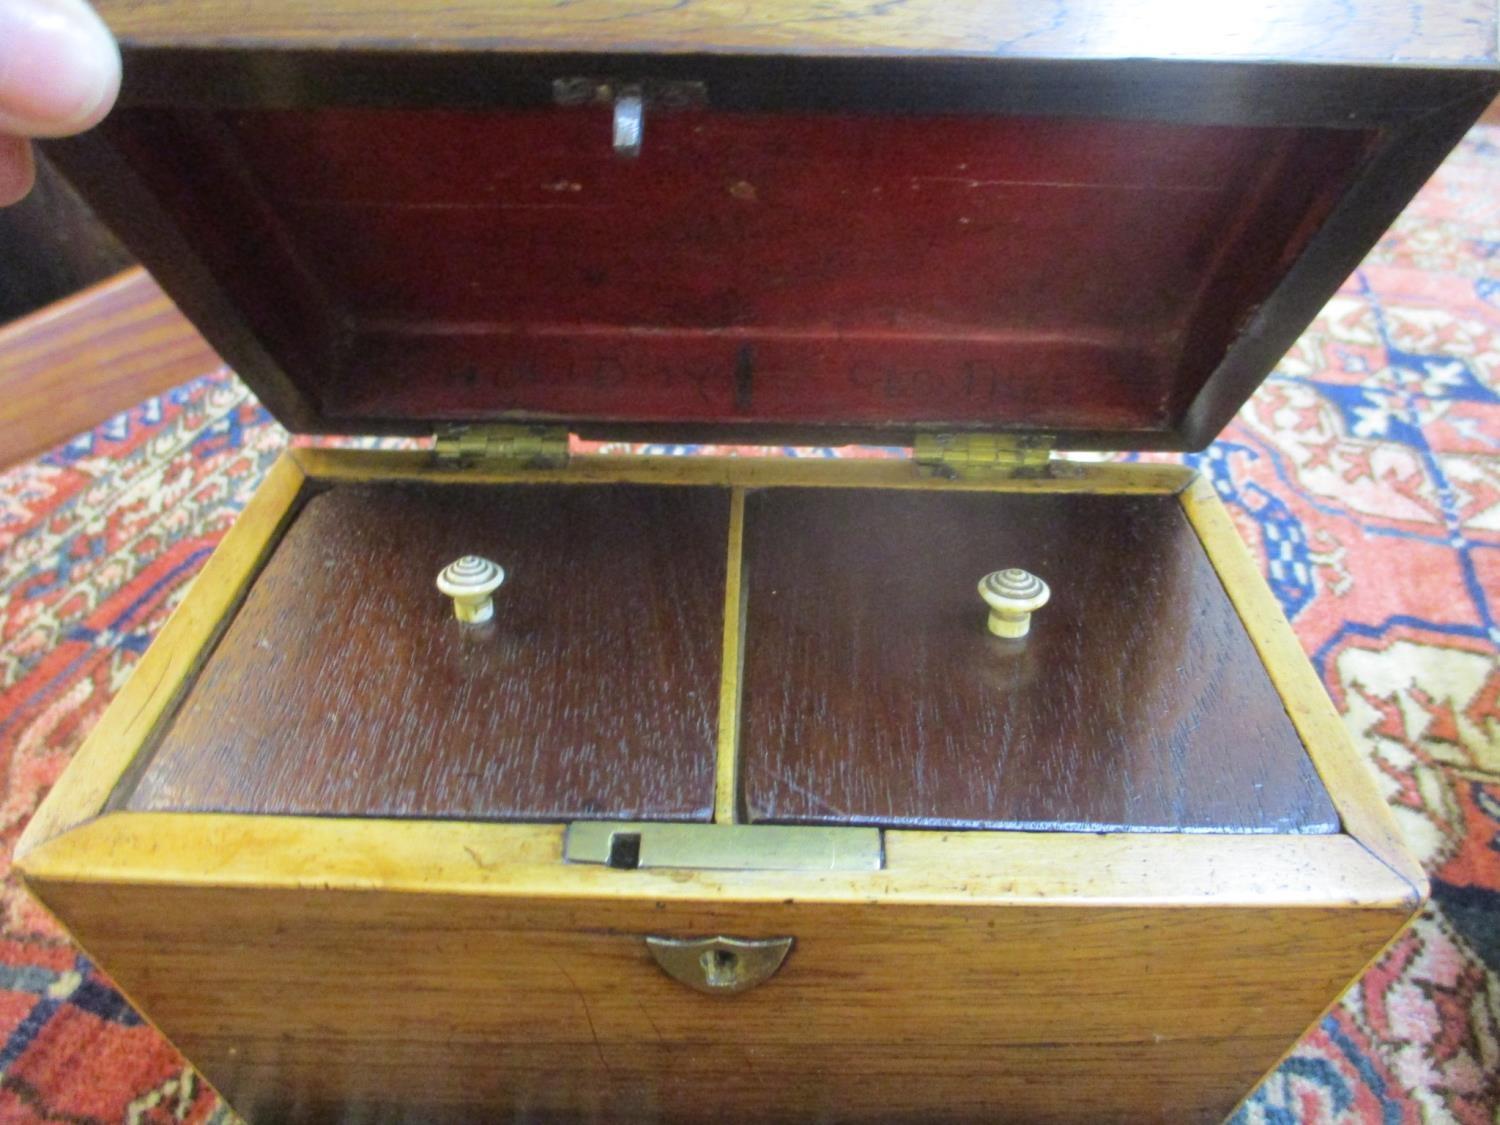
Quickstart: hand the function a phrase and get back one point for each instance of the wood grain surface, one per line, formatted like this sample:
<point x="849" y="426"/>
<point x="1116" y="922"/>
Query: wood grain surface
<point x="1352" y="785"/>
<point x="312" y="1002"/>
<point x="1379" y="31"/>
<point x="344" y="685"/>
<point x="872" y="692"/>
<point x="77" y="362"/>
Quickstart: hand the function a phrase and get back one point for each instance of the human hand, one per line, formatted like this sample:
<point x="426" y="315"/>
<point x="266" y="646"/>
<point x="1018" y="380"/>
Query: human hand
<point x="59" y="74"/>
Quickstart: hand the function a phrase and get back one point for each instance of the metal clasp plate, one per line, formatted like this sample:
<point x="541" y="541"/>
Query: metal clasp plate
<point x="723" y="847"/>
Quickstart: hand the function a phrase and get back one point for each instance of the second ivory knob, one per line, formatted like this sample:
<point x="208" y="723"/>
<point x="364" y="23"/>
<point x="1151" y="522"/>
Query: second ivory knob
<point x="1013" y="596"/>
<point x="470" y="581"/>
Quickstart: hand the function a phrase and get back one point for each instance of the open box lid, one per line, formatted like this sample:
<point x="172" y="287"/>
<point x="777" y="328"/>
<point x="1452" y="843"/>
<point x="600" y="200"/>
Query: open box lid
<point x="853" y="241"/>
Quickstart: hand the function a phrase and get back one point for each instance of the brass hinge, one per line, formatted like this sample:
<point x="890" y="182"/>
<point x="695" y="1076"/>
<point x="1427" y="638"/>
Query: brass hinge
<point x="984" y="454"/>
<point x="520" y="446"/>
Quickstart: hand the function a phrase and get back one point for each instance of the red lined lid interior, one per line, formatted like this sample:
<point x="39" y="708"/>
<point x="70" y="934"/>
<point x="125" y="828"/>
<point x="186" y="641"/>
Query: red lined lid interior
<point x="875" y="271"/>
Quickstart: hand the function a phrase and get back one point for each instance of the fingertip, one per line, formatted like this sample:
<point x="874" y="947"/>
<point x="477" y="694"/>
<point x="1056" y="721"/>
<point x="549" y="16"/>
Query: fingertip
<point x="59" y="67"/>
<point x="17" y="169"/>
<point x="109" y="87"/>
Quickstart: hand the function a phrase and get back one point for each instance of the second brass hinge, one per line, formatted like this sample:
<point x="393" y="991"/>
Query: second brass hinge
<point x="509" y="445"/>
<point x="984" y="454"/>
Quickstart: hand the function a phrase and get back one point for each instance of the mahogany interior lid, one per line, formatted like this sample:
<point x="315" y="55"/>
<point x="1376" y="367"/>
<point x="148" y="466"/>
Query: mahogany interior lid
<point x="788" y="274"/>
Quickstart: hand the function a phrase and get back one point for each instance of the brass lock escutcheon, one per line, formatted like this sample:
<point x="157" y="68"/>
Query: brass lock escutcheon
<point x="719" y="965"/>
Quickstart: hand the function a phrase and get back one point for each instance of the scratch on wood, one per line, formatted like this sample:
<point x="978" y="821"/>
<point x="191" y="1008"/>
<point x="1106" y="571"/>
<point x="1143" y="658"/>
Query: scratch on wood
<point x="588" y="1015"/>
<point x="478" y="862"/>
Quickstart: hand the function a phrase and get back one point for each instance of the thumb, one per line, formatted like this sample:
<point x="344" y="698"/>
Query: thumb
<point x="59" y="67"/>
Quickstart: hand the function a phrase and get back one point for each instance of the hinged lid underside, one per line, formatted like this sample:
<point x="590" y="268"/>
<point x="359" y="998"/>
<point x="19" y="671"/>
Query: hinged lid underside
<point x="754" y="273"/>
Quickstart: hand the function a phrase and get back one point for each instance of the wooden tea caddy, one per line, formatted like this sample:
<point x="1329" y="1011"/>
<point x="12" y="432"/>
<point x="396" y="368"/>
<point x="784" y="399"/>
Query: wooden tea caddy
<point x="737" y="726"/>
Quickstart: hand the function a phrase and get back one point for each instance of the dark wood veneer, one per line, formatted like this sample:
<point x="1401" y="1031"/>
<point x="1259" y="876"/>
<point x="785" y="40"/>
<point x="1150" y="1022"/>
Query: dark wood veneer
<point x="344" y="686"/>
<point x="873" y="694"/>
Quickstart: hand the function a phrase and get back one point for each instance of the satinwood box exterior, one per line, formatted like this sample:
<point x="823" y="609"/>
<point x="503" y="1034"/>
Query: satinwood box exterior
<point x="735" y="810"/>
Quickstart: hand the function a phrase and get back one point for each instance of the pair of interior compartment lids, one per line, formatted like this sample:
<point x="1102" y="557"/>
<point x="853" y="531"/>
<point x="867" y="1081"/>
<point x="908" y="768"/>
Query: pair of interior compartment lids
<point x="870" y="692"/>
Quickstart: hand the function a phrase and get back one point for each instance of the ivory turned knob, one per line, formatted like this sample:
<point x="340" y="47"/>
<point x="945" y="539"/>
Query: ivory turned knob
<point x="1013" y="596"/>
<point x="470" y="581"/>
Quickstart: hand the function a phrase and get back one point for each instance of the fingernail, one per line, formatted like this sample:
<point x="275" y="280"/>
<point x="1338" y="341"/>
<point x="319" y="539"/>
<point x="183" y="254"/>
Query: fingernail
<point x="16" y="169"/>
<point x="59" y="66"/>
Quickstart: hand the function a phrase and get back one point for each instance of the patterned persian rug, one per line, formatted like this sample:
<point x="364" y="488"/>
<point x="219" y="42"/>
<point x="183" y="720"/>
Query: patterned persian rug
<point x="1365" y="475"/>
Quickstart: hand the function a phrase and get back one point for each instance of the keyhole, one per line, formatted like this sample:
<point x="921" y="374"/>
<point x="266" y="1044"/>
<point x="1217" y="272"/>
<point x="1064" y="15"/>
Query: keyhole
<point x="719" y="967"/>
